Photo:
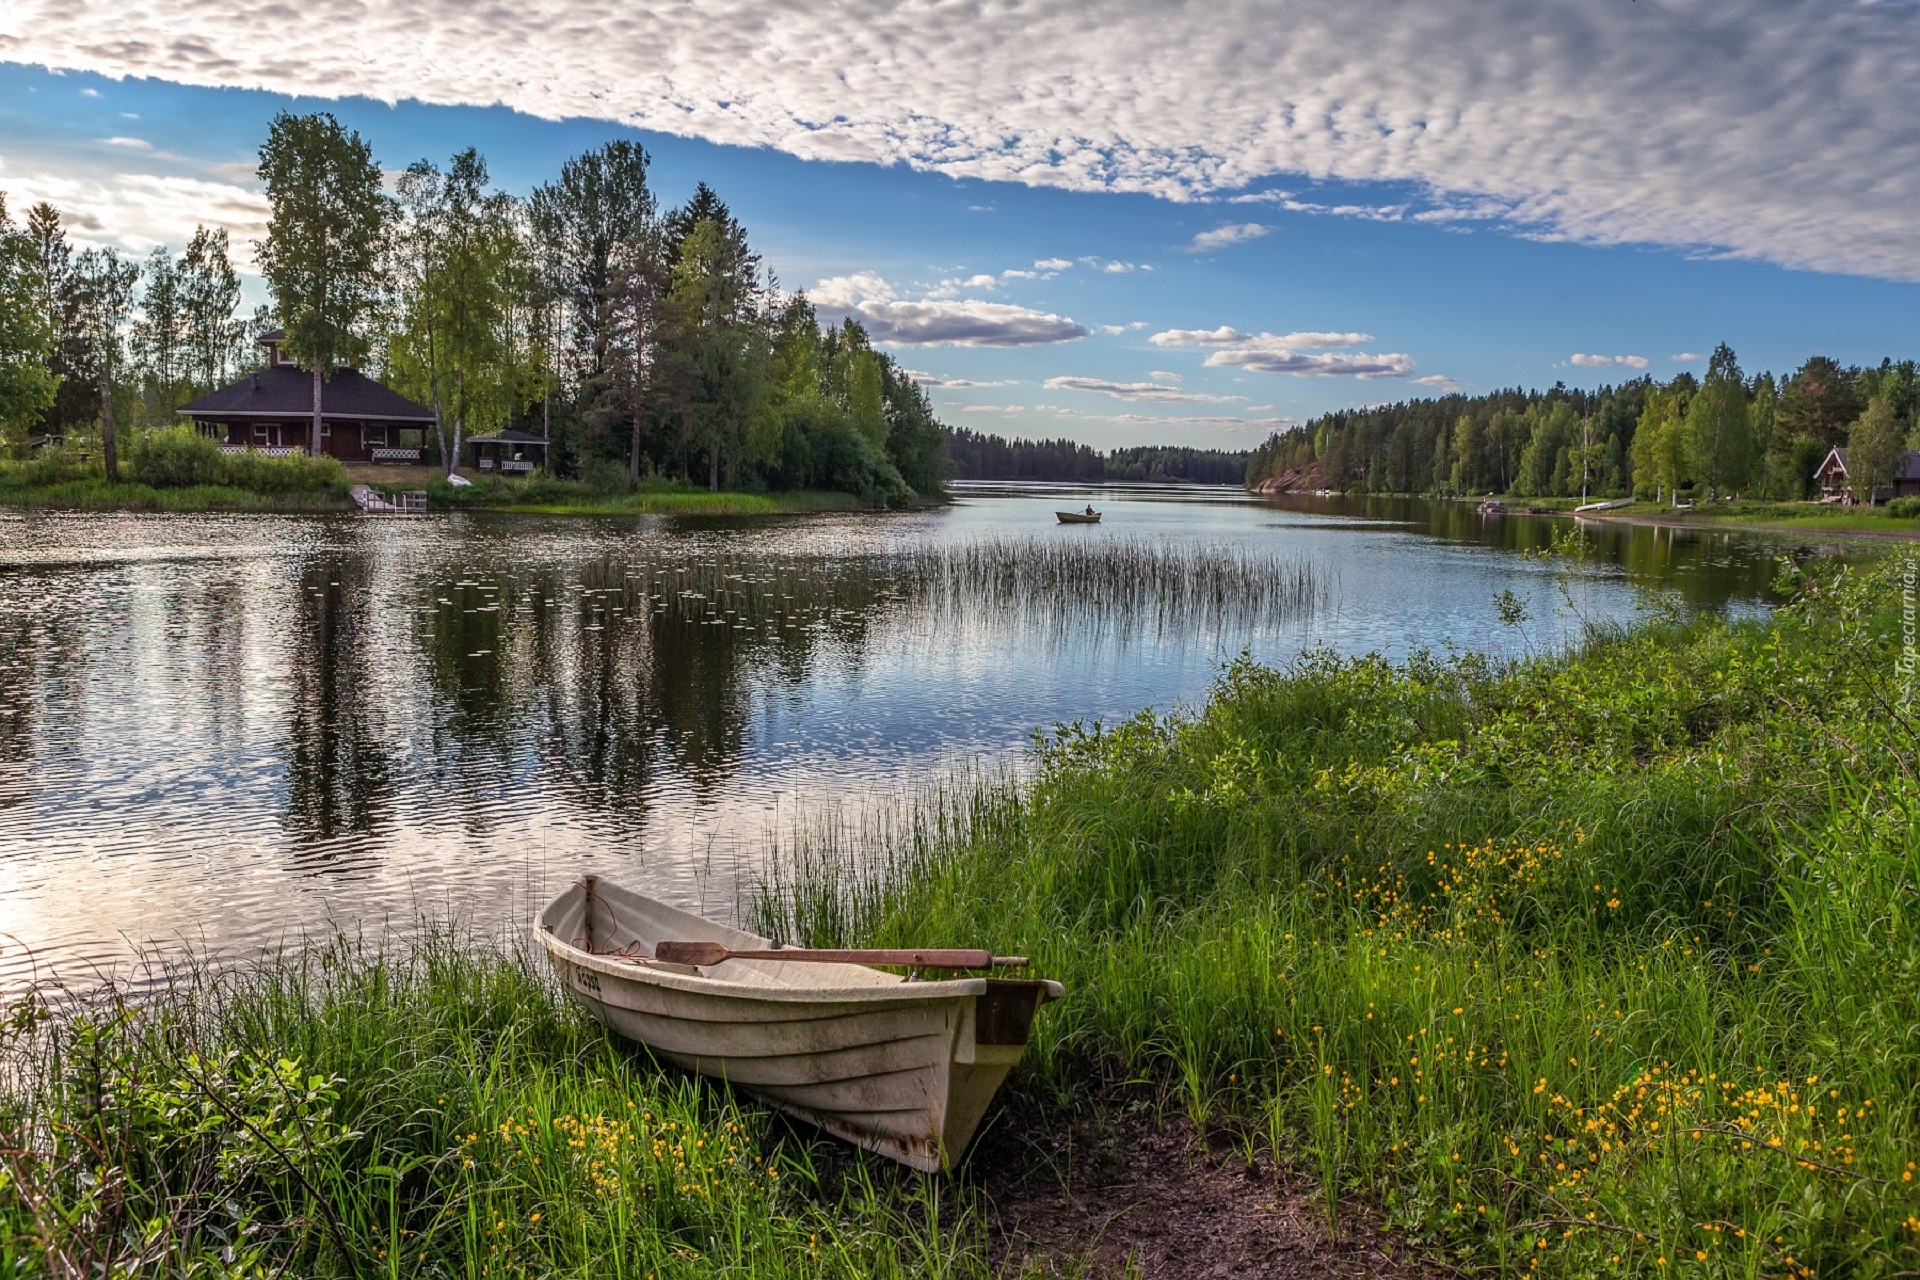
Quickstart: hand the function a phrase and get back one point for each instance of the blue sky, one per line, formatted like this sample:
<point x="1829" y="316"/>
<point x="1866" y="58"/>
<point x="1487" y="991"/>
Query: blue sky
<point x="1176" y="281"/>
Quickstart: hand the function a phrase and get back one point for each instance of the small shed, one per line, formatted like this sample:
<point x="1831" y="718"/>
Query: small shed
<point x="509" y="452"/>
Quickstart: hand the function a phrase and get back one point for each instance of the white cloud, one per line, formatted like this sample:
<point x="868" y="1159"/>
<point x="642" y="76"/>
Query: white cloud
<point x="1687" y="357"/>
<point x="1438" y="381"/>
<point x="1226" y="234"/>
<point x="1118" y="268"/>
<point x="1771" y="129"/>
<point x="1053" y="264"/>
<point x="1304" y="364"/>
<point x="938" y="321"/>
<point x="1228" y="336"/>
<point x="137" y="144"/>
<point x="140" y="211"/>
<point x="1289" y="352"/>
<point x="1144" y="392"/>
<point x="935" y="380"/>
<point x="1165" y="376"/>
<point x="1605" y="362"/>
<point x="1218" y="422"/>
<point x="994" y="408"/>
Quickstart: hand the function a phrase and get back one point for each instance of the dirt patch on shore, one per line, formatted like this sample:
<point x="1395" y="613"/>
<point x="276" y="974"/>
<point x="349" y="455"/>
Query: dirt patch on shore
<point x="1130" y="1196"/>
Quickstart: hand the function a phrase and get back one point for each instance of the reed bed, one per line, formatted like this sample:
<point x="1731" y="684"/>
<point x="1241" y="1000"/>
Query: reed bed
<point x="1596" y="964"/>
<point x="1046" y="590"/>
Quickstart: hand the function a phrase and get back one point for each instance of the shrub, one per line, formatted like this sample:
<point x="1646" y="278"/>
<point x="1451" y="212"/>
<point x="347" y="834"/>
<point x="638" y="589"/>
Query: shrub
<point x="174" y="458"/>
<point x="1904" y="508"/>
<point x="57" y="465"/>
<point x="296" y="473"/>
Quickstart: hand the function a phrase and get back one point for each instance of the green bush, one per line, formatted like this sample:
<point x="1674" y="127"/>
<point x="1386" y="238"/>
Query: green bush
<point x="174" y="458"/>
<point x="57" y="465"/>
<point x="296" y="473"/>
<point x="180" y="458"/>
<point x="1904" y="508"/>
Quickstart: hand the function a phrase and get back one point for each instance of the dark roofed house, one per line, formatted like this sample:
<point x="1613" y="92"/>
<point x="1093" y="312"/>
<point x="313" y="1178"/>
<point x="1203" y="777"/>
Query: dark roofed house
<point x="1832" y="476"/>
<point x="272" y="411"/>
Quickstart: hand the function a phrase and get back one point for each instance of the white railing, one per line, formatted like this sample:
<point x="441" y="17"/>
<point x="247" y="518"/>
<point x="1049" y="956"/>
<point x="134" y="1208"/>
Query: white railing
<point x="385" y="454"/>
<point x="517" y="464"/>
<point x="265" y="450"/>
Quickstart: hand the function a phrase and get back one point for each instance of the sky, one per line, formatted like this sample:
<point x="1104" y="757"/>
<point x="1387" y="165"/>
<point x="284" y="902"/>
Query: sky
<point x="1118" y="221"/>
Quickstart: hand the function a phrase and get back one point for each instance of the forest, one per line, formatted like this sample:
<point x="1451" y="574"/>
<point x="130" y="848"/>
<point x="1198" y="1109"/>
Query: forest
<point x="1724" y="434"/>
<point x="648" y="343"/>
<point x="981" y="456"/>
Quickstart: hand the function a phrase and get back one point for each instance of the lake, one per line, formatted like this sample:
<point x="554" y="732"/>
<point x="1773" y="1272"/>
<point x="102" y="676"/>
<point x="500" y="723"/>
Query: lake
<point x="235" y="731"/>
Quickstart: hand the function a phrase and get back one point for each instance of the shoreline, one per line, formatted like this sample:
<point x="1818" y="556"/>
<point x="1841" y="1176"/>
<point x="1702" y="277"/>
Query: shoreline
<point x="88" y="496"/>
<point x="1822" y="519"/>
<point x="1810" y="525"/>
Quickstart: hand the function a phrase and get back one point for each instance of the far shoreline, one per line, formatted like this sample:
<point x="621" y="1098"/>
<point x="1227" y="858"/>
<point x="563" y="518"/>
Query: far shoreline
<point x="1824" y="519"/>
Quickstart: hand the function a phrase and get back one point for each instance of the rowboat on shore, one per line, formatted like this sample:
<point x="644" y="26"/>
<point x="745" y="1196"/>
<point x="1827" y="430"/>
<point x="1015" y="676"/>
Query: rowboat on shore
<point x="903" y="1068"/>
<point x="1089" y="516"/>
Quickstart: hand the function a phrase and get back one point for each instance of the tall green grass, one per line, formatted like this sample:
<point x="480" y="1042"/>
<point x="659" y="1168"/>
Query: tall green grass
<point x="1598" y="964"/>
<point x="341" y="1111"/>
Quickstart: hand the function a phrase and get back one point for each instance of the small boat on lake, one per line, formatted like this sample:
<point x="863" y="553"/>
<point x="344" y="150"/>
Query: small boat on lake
<point x="1089" y="516"/>
<point x="901" y="1067"/>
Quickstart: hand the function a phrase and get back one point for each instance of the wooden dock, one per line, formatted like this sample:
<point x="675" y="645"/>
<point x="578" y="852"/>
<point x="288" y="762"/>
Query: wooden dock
<point x="374" y="503"/>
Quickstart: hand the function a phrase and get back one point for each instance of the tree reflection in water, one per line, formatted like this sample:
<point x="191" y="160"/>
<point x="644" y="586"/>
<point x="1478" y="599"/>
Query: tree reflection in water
<point x="231" y="728"/>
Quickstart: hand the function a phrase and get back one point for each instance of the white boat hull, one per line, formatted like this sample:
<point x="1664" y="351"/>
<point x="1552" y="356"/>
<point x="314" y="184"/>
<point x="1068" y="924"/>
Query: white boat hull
<point x="905" y="1069"/>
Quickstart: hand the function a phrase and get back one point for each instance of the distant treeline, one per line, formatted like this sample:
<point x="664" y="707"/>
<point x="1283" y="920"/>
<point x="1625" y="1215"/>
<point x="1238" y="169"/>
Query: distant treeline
<point x="1723" y="434"/>
<point x="978" y="456"/>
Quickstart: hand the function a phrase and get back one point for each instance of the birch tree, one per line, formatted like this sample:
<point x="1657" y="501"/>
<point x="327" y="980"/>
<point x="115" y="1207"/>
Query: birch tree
<point x="210" y="301"/>
<point x="104" y="285"/>
<point x="322" y="254"/>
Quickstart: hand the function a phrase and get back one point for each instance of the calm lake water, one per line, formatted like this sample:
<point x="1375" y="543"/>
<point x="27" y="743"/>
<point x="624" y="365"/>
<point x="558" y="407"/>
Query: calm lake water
<point x="236" y="731"/>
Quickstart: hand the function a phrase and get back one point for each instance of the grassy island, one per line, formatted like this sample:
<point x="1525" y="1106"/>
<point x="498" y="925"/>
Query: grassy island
<point x="1597" y="963"/>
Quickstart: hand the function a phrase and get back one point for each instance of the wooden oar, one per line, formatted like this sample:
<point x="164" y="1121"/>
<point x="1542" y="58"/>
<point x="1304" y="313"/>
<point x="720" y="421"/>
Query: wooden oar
<point x="711" y="953"/>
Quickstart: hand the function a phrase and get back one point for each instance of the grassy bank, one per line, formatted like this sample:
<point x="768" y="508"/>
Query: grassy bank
<point x="551" y="496"/>
<point x="1602" y="964"/>
<point x="89" y="490"/>
<point x="97" y="494"/>
<point x="1778" y="517"/>
<point x="341" y="1112"/>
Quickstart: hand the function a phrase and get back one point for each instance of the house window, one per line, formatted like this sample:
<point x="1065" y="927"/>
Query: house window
<point x="259" y="433"/>
<point x="373" y="437"/>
